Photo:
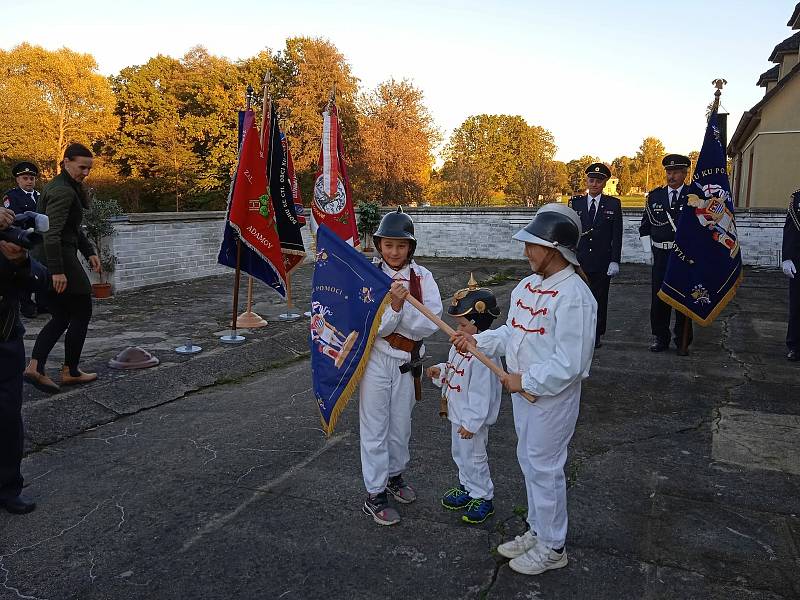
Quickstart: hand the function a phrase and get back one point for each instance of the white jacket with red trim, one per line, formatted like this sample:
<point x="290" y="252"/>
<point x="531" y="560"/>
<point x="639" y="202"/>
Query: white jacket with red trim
<point x="472" y="390"/>
<point x="549" y="334"/>
<point x="409" y="322"/>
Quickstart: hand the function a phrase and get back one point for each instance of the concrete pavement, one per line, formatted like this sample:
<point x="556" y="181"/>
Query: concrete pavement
<point x="208" y="477"/>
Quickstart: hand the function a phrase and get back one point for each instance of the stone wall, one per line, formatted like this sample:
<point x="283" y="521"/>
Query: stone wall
<point x="159" y="248"/>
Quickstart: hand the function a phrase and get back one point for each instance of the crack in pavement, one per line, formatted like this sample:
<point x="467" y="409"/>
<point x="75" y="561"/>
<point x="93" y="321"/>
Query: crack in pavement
<point x="216" y="523"/>
<point x="3" y="557"/>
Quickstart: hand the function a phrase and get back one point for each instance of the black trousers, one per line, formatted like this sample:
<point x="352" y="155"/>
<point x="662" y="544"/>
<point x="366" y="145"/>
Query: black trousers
<point x="793" y="330"/>
<point x="661" y="312"/>
<point x="12" y="363"/>
<point x="70" y="313"/>
<point x="599" y="283"/>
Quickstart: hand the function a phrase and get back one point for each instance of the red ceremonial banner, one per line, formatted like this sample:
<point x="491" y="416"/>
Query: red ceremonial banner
<point x="333" y="199"/>
<point x="251" y="212"/>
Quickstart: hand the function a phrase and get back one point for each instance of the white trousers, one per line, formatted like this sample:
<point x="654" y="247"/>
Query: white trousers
<point x="386" y="398"/>
<point x="473" y="462"/>
<point x="542" y="439"/>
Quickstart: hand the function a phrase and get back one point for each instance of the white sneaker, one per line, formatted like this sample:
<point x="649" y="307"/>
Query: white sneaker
<point x="538" y="560"/>
<point x="518" y="546"/>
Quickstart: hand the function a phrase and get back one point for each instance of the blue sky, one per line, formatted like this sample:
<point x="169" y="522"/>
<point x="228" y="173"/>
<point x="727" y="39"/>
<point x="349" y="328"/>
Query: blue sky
<point x="600" y="76"/>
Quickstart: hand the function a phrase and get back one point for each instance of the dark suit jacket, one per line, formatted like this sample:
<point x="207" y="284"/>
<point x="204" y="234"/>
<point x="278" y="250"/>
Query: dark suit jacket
<point x="791" y="232"/>
<point x="63" y="200"/>
<point x="655" y="222"/>
<point x="601" y="241"/>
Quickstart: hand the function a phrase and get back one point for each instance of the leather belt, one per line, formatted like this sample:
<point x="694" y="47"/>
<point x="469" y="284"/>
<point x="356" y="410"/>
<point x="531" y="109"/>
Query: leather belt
<point x="400" y="342"/>
<point x="663" y="245"/>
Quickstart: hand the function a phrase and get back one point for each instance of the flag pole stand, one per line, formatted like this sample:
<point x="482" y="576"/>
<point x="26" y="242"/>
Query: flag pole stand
<point x="249" y="319"/>
<point x="188" y="348"/>
<point x="289" y="315"/>
<point x="233" y="337"/>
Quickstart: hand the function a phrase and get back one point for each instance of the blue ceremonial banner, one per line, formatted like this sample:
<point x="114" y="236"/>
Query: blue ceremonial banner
<point x="348" y="297"/>
<point x="705" y="267"/>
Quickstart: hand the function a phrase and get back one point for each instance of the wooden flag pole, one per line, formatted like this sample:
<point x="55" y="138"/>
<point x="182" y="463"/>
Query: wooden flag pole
<point x="234" y="338"/>
<point x="451" y="332"/>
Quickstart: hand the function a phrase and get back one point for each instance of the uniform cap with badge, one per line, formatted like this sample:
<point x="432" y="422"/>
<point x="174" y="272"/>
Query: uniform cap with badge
<point x="676" y="161"/>
<point x="25" y="168"/>
<point x="598" y="170"/>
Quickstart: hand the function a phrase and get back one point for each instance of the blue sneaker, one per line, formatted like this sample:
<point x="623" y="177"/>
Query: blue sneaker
<point x="456" y="498"/>
<point x="478" y="510"/>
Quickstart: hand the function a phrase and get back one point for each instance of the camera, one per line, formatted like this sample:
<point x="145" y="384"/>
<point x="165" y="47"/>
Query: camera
<point x="27" y="229"/>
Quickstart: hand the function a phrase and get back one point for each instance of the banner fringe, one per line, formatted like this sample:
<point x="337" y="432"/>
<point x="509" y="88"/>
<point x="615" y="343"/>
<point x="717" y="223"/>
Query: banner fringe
<point x="714" y="313"/>
<point x="344" y="397"/>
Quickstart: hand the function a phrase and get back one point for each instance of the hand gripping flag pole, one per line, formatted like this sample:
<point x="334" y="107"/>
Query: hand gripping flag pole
<point x="474" y="351"/>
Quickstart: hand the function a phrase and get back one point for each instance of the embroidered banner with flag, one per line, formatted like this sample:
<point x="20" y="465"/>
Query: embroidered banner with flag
<point x="348" y="297"/>
<point x="705" y="267"/>
<point x="251" y="217"/>
<point x="299" y="209"/>
<point x="333" y="198"/>
<point x="280" y="190"/>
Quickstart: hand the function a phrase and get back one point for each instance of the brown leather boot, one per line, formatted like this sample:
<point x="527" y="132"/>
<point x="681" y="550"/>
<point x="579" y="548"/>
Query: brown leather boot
<point x="67" y="379"/>
<point x="40" y="381"/>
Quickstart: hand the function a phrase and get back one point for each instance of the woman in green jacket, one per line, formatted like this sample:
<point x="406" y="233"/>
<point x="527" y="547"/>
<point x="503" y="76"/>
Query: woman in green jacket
<point x="63" y="201"/>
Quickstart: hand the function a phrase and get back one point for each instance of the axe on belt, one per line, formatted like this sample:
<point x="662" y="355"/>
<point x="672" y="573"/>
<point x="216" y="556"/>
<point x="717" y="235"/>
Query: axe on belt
<point x="475" y="352"/>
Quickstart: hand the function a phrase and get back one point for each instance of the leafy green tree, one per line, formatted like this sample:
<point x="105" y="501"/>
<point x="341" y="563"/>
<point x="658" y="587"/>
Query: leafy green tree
<point x="397" y="140"/>
<point x="649" y="171"/>
<point x="482" y="157"/>
<point x="576" y="173"/>
<point x="537" y="178"/>
<point x="51" y="98"/>
<point x="309" y="69"/>
<point x="622" y="167"/>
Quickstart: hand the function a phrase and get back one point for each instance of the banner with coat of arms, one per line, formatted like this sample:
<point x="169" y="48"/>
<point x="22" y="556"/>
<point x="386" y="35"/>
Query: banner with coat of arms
<point x="333" y="199"/>
<point x="348" y="297"/>
<point x="705" y="266"/>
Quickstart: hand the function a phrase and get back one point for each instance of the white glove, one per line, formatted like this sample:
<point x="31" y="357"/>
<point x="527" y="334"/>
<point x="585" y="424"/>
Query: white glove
<point x="613" y="269"/>
<point x="788" y="269"/>
<point x="648" y="249"/>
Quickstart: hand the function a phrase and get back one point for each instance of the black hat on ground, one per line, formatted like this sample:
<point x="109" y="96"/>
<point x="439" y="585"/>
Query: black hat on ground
<point x="396" y="225"/>
<point x="476" y="305"/>
<point x="598" y="170"/>
<point x="25" y="168"/>
<point x="676" y="161"/>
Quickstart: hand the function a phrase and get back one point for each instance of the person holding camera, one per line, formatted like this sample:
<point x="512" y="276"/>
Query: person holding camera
<point x="21" y="199"/>
<point x="19" y="275"/>
<point x="63" y="201"/>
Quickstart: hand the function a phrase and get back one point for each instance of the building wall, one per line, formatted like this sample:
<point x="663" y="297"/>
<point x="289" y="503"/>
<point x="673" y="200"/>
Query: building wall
<point x="161" y="248"/>
<point x="775" y="149"/>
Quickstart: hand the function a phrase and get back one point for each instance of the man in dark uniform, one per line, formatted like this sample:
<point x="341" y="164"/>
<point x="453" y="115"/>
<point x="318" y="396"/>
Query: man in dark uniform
<point x="662" y="210"/>
<point x="18" y="274"/>
<point x="600" y="245"/>
<point x="791" y="260"/>
<point x="20" y="199"/>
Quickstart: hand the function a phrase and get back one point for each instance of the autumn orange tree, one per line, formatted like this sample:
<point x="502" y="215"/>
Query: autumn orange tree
<point x="397" y="141"/>
<point x="51" y="98"/>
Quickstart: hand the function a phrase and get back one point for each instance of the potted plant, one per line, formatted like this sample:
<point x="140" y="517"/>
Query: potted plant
<point x="99" y="228"/>
<point x="369" y="217"/>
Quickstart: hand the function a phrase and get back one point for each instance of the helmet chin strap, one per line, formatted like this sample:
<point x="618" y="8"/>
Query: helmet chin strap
<point x="543" y="268"/>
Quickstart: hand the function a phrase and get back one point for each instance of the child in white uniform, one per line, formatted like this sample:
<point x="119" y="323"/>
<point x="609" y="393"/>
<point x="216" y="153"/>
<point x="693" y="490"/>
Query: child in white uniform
<point x="388" y="387"/>
<point x="548" y="342"/>
<point x="473" y="394"/>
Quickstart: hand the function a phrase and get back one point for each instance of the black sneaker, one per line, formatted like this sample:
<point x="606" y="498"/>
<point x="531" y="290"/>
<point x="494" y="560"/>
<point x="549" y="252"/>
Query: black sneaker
<point x="401" y="491"/>
<point x="377" y="505"/>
